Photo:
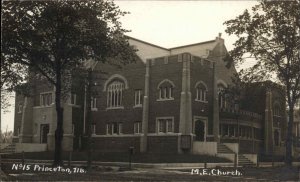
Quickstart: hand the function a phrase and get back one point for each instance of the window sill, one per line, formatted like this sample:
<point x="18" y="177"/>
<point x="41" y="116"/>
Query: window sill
<point x="202" y="101"/>
<point x="19" y="112"/>
<point x="165" y="99"/>
<point x="112" y="108"/>
<point x="163" y="134"/>
<point x="138" y="106"/>
<point x="94" y="109"/>
<point x="166" y="133"/>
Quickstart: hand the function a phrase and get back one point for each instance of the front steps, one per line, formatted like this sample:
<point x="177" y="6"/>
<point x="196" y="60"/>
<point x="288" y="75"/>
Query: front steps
<point x="244" y="161"/>
<point x="225" y="151"/>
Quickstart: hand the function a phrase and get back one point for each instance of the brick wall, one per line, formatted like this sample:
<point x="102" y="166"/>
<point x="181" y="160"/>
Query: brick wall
<point x="159" y="72"/>
<point x="163" y="144"/>
<point x="134" y="73"/>
<point x="116" y="144"/>
<point x="202" y="71"/>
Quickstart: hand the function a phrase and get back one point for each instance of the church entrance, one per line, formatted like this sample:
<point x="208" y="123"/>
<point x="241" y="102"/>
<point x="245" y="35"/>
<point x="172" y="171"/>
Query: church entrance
<point x="44" y="132"/>
<point x="199" y="130"/>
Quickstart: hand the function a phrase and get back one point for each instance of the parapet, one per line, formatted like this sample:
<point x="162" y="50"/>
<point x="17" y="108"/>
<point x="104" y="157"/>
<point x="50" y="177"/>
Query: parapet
<point x="179" y="58"/>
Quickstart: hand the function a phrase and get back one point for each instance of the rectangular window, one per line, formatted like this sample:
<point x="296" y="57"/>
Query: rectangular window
<point x="169" y="123"/>
<point x="45" y="99"/>
<point x="165" y="125"/>
<point x="137" y="127"/>
<point x="138" y="97"/>
<point x="166" y="93"/>
<point x="161" y="126"/>
<point x="114" y="127"/>
<point x="108" y="130"/>
<point x="120" y="128"/>
<point x="73" y="99"/>
<point x="93" y="103"/>
<point x="201" y="95"/>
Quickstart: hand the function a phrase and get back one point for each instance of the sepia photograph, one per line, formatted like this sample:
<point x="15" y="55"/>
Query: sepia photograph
<point x="144" y="90"/>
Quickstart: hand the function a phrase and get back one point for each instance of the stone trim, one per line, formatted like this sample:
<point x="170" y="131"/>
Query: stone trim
<point x="121" y="135"/>
<point x="164" y="134"/>
<point x="165" y="80"/>
<point x="114" y="77"/>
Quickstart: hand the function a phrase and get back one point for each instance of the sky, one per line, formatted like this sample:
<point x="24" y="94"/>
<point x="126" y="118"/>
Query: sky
<point x="170" y="24"/>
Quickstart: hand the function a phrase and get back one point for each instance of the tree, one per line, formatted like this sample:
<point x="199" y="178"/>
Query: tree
<point x="52" y="38"/>
<point x="270" y="33"/>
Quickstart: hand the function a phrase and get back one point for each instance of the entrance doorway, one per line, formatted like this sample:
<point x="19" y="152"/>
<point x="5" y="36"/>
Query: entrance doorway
<point x="44" y="132"/>
<point x="199" y="130"/>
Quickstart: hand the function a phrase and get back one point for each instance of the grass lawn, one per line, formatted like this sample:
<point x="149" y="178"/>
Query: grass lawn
<point x="122" y="157"/>
<point x="248" y="174"/>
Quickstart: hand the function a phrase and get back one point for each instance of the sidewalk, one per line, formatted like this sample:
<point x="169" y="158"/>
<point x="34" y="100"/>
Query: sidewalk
<point x="147" y="165"/>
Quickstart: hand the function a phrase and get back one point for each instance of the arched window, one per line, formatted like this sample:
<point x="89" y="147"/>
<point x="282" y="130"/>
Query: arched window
<point x="165" y="90"/>
<point x="201" y="92"/>
<point x="221" y="96"/>
<point x="115" y="94"/>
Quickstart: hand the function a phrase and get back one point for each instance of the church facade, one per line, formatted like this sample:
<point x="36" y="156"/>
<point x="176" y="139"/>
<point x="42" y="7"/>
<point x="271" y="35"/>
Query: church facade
<point x="169" y="101"/>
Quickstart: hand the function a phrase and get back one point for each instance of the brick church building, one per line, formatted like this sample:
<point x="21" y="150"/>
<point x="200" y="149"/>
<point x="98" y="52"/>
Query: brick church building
<point x="169" y="101"/>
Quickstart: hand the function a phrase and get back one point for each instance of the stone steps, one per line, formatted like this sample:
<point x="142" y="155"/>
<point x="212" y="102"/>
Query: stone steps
<point x="243" y="161"/>
<point x="221" y="148"/>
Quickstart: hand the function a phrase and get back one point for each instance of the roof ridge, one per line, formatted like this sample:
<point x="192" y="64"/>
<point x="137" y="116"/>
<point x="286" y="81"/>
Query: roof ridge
<point x="169" y="49"/>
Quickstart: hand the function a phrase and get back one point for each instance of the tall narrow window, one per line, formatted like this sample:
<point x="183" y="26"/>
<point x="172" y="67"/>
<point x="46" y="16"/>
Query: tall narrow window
<point x="169" y="124"/>
<point x="94" y="103"/>
<point x="115" y="94"/>
<point x="138" y="98"/>
<point x="108" y="129"/>
<point x="165" y="125"/>
<point x="161" y="126"/>
<point x="165" y="90"/>
<point x="114" y="128"/>
<point x="201" y="92"/>
<point x="46" y="99"/>
<point x="120" y="128"/>
<point x="137" y="127"/>
<point x="221" y="96"/>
